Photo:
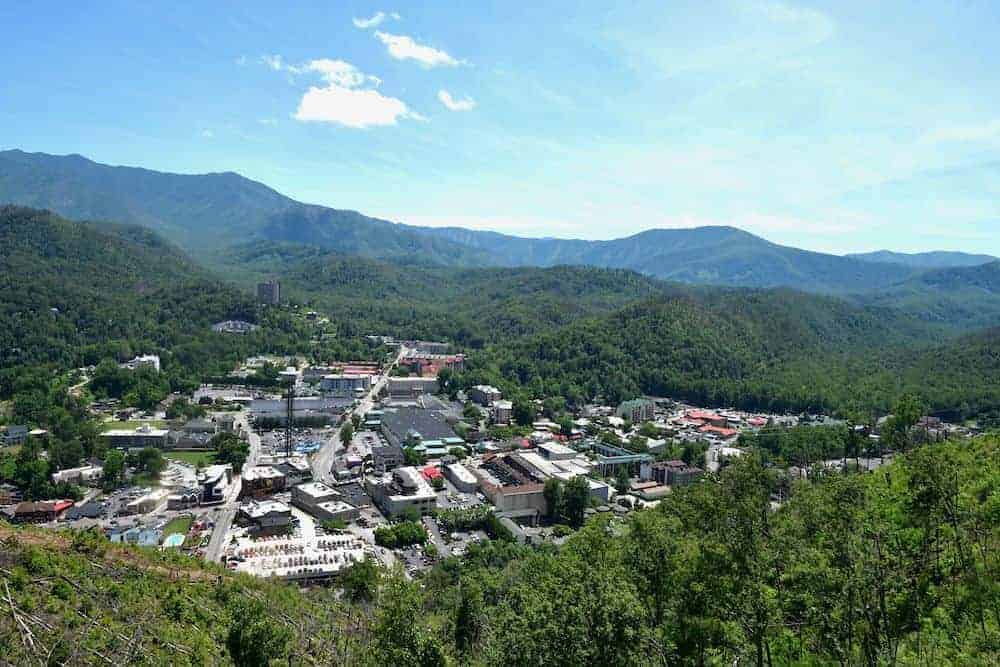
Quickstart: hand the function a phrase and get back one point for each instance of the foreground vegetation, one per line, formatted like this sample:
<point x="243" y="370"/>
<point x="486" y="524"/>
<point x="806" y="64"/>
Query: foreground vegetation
<point x="900" y="566"/>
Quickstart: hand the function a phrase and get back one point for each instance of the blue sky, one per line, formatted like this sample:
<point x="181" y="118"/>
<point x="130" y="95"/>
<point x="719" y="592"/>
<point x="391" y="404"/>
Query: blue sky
<point x="839" y="126"/>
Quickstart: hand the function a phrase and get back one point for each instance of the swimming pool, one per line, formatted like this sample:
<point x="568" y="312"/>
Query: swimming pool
<point x="173" y="540"/>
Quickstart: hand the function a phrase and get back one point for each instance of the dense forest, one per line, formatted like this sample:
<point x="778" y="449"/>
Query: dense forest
<point x="79" y="293"/>
<point x="765" y="351"/>
<point x="74" y="294"/>
<point x="900" y="566"/>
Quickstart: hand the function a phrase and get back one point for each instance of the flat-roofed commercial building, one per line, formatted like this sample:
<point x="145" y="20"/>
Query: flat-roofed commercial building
<point x="136" y="438"/>
<point x="345" y="385"/>
<point x="401" y="489"/>
<point x="307" y="497"/>
<point x="461" y="478"/>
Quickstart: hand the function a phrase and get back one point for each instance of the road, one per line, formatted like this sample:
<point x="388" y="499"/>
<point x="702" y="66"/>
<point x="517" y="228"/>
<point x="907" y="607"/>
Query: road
<point x="227" y="511"/>
<point x="435" y="534"/>
<point x="322" y="461"/>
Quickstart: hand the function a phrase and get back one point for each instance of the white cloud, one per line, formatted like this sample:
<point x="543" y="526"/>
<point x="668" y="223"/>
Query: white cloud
<point x="966" y="133"/>
<point x="208" y="134"/>
<point x="403" y="47"/>
<point x="273" y="61"/>
<point x="811" y="24"/>
<point x="466" y="104"/>
<point x="241" y="61"/>
<point x="348" y="96"/>
<point x="375" y="20"/>
<point x="267" y="121"/>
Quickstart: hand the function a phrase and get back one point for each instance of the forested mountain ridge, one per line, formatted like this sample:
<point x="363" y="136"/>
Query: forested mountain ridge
<point x="208" y="213"/>
<point x="940" y="259"/>
<point x="770" y="351"/>
<point x="69" y="290"/>
<point x="203" y="213"/>
<point x="963" y="298"/>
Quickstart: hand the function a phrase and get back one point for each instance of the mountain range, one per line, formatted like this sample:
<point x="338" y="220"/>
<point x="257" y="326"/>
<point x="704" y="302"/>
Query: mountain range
<point x="208" y="214"/>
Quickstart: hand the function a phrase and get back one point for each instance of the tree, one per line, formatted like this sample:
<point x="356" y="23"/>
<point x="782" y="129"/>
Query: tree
<point x="622" y="479"/>
<point x="230" y="449"/>
<point x="360" y="581"/>
<point x="399" y="636"/>
<point x="254" y="639"/>
<point x="553" y="493"/>
<point x="469" y="618"/>
<point x="523" y="412"/>
<point x="150" y="461"/>
<point x="114" y="469"/>
<point x="576" y="499"/>
<point x="346" y="433"/>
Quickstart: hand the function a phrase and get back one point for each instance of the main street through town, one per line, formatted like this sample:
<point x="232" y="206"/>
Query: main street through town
<point x="322" y="461"/>
<point x="227" y="511"/>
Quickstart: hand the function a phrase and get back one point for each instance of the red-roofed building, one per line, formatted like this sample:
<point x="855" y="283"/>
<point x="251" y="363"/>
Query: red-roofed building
<point x="431" y="472"/>
<point x="40" y="512"/>
<point x="707" y="417"/>
<point x="724" y="433"/>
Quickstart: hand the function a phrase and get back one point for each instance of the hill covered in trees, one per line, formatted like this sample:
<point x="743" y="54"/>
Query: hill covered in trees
<point x="897" y="566"/>
<point x="963" y="298"/>
<point x="74" y="293"/>
<point x="77" y="293"/>
<point x="766" y="350"/>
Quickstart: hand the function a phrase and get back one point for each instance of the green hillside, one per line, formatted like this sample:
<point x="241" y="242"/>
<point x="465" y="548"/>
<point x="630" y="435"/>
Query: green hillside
<point x="766" y="350"/>
<point x="963" y="298"/>
<point x="926" y="260"/>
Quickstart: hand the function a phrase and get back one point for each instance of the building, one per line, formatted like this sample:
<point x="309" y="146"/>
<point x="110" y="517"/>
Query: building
<point x="323" y="502"/>
<point x="182" y="499"/>
<point x="296" y="469"/>
<point x="637" y="410"/>
<point x="503" y="411"/>
<point x="305" y="406"/>
<point x="9" y="494"/>
<point x="411" y="426"/>
<point x="511" y="487"/>
<point x="671" y="473"/>
<point x="400" y="490"/>
<point x="261" y="481"/>
<point x="610" y="458"/>
<point x="214" y="482"/>
<point x="461" y="478"/>
<point x="268" y="517"/>
<point x="83" y="475"/>
<point x="307" y="497"/>
<point x="269" y="292"/>
<point x="144" y="361"/>
<point x="427" y="346"/>
<point x="13" y="435"/>
<point x="147" y="503"/>
<point x="40" y="512"/>
<point x="386" y="458"/>
<point x="555" y="451"/>
<point x="428" y="365"/>
<point x="345" y="385"/>
<point x="136" y="438"/>
<point x="484" y="394"/>
<point x="234" y="327"/>
<point x="719" y="432"/>
<point x="411" y="387"/>
<point x="204" y="426"/>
